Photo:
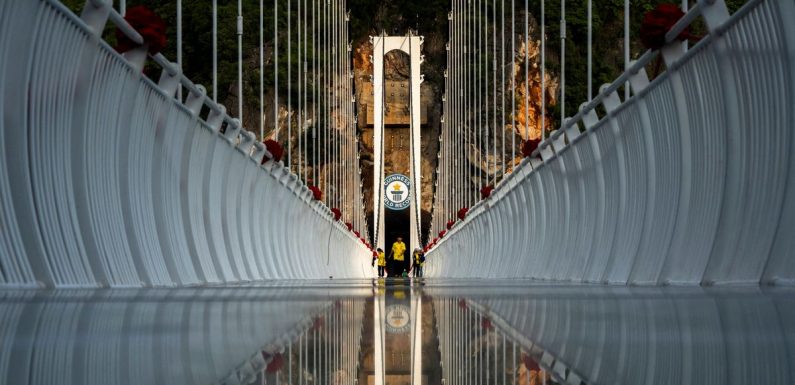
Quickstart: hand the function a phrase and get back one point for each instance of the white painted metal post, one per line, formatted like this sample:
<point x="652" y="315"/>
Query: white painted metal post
<point x="480" y="89"/>
<point x="215" y="51"/>
<point x="416" y="190"/>
<point x="493" y="88"/>
<point x="563" y="61"/>
<point x="289" y="85"/>
<point x="626" y="46"/>
<point x="300" y="118"/>
<point x="527" y="71"/>
<point x="378" y="134"/>
<point x="275" y="67"/>
<point x="543" y="68"/>
<point x="513" y="83"/>
<point x="305" y="70"/>
<point x="240" y="60"/>
<point x="261" y="116"/>
<point x="179" y="44"/>
<point x="590" y="49"/>
<point x="502" y="84"/>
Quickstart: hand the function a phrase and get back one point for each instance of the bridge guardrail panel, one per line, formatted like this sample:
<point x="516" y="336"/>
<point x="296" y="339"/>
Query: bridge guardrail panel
<point x="687" y="182"/>
<point x="702" y="167"/>
<point x="136" y="170"/>
<point x="195" y="204"/>
<point x="589" y="205"/>
<point x="169" y="170"/>
<point x="235" y="169"/>
<point x="633" y="186"/>
<point x="749" y="216"/>
<point x="258" y="228"/>
<point x="781" y="265"/>
<point x="663" y="169"/>
<point x="581" y="216"/>
<point x="243" y="212"/>
<point x="49" y="151"/>
<point x="603" y="141"/>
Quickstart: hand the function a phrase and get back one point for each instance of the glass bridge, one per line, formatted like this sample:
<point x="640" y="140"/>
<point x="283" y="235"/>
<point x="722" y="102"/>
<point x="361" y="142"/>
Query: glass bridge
<point x="399" y="331"/>
<point x="148" y="237"/>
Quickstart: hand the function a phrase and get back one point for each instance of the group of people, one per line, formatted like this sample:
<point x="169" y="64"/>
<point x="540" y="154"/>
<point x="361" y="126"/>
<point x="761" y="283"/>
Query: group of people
<point x="396" y="264"/>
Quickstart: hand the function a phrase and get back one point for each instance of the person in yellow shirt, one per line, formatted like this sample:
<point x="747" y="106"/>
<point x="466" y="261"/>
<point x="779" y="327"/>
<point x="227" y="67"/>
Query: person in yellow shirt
<point x="381" y="259"/>
<point x="398" y="258"/>
<point x="419" y="261"/>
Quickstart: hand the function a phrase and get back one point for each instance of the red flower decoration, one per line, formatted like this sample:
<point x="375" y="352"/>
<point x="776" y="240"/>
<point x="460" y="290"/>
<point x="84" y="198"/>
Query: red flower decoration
<point x="462" y="213"/>
<point x="357" y="234"/>
<point x="337" y="213"/>
<point x="450" y="224"/>
<point x="442" y="233"/>
<point x="657" y="22"/>
<point x="485" y="192"/>
<point x="349" y="226"/>
<point x="276" y="364"/>
<point x="316" y="193"/>
<point x="148" y="24"/>
<point x="485" y="323"/>
<point x="275" y="149"/>
<point x="528" y="146"/>
<point x="529" y="363"/>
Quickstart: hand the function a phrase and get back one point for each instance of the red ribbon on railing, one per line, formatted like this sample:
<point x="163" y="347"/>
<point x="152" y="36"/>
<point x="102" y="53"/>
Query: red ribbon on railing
<point x="462" y="213"/>
<point x="528" y="146"/>
<point x="275" y="149"/>
<point x="657" y="22"/>
<point x="148" y="24"/>
<point x="276" y="364"/>
<point x="485" y="192"/>
<point x="316" y="193"/>
<point x="337" y="213"/>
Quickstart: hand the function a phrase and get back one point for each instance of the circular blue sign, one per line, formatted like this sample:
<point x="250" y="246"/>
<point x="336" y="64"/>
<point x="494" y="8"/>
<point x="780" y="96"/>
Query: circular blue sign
<point x="397" y="191"/>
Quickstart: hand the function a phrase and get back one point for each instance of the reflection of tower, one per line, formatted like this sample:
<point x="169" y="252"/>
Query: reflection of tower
<point x="397" y="193"/>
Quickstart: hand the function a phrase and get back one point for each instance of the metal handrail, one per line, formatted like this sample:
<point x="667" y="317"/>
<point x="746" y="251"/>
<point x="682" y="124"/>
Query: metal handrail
<point x="609" y="88"/>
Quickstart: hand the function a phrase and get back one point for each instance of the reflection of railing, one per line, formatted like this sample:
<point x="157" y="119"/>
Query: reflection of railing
<point x="186" y="336"/>
<point x="479" y="347"/>
<point x="607" y="336"/>
<point x="689" y="181"/>
<point x="107" y="179"/>
<point x="321" y="349"/>
<point x="673" y="335"/>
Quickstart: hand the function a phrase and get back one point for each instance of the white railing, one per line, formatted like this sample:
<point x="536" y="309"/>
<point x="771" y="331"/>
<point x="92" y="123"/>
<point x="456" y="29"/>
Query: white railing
<point x="106" y="179"/>
<point x="690" y="181"/>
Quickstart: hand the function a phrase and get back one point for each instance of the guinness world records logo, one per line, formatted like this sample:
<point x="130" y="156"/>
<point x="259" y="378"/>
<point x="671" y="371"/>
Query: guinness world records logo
<point x="397" y="319"/>
<point x="397" y="192"/>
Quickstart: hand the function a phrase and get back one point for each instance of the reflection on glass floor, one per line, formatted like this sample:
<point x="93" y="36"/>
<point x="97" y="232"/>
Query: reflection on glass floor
<point x="399" y="333"/>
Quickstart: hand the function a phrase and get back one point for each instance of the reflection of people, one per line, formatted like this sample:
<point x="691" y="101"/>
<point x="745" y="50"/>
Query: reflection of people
<point x="381" y="259"/>
<point x="419" y="261"/>
<point x="398" y="258"/>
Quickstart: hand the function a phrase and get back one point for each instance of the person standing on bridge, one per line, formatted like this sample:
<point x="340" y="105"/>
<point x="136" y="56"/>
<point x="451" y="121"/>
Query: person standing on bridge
<point x="419" y="261"/>
<point x="398" y="258"/>
<point x="381" y="259"/>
